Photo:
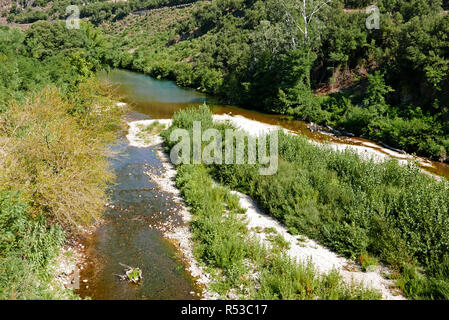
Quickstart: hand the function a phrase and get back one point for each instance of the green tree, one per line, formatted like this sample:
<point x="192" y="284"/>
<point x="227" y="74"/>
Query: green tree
<point x="376" y="92"/>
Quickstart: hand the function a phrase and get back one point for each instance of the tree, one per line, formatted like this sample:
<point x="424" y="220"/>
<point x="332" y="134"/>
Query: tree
<point x="376" y="92"/>
<point x="302" y="14"/>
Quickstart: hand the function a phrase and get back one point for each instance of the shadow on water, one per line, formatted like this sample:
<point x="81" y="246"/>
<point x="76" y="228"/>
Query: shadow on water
<point x="128" y="235"/>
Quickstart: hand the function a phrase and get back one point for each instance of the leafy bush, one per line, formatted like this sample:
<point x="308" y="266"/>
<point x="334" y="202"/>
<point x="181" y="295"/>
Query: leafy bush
<point x="50" y="150"/>
<point x="287" y="281"/>
<point x="27" y="246"/>
<point x="367" y="261"/>
<point x="358" y="208"/>
<point x="54" y="123"/>
<point x="353" y="206"/>
<point x="222" y="240"/>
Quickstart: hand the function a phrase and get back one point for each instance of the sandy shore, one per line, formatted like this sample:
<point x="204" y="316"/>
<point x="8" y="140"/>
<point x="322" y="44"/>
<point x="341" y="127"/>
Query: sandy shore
<point x="301" y="248"/>
<point x="367" y="150"/>
<point x="182" y="235"/>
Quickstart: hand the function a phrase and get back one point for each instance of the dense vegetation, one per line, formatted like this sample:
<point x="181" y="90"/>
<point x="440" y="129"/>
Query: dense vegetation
<point x="389" y="84"/>
<point x="97" y="11"/>
<point x="223" y="244"/>
<point x="359" y="209"/>
<point x="54" y="120"/>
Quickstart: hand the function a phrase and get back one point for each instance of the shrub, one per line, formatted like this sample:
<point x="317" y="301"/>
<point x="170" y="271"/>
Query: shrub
<point x="221" y="238"/>
<point x="56" y="158"/>
<point x="27" y="246"/>
<point x="383" y="211"/>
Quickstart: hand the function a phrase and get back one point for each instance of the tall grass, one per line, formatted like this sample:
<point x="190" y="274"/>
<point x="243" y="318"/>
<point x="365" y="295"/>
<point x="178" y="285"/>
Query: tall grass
<point x="27" y="247"/>
<point x="222" y="241"/>
<point x="363" y="210"/>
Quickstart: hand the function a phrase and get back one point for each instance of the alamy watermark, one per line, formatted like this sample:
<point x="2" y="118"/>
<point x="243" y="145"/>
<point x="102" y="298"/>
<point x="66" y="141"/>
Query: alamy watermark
<point x="73" y="20"/>
<point x="373" y="21"/>
<point x="239" y="148"/>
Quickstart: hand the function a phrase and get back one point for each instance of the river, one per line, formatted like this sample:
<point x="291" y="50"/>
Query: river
<point x="129" y="234"/>
<point x="160" y="99"/>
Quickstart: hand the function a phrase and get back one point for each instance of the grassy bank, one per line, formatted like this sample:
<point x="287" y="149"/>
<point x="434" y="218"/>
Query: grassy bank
<point x="358" y="209"/>
<point x="365" y="211"/>
<point x="240" y="265"/>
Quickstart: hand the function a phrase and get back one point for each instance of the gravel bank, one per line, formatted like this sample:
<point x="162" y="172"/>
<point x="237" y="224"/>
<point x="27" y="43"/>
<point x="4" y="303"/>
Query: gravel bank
<point x="181" y="235"/>
<point x="301" y="248"/>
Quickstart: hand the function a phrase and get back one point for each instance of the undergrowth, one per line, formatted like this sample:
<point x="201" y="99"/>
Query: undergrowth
<point x="53" y="177"/>
<point x="243" y="267"/>
<point x="366" y="211"/>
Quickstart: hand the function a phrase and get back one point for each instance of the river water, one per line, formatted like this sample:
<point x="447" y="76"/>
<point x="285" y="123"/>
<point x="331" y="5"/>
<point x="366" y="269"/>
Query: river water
<point x="129" y="235"/>
<point x="160" y="99"/>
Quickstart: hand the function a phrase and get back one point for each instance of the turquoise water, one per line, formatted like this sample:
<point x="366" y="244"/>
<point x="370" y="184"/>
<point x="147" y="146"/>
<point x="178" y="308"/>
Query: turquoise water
<point x="156" y="98"/>
<point x="142" y="88"/>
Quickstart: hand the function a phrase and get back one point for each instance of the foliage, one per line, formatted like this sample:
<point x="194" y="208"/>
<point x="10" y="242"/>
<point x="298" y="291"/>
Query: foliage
<point x="27" y="246"/>
<point x="48" y="148"/>
<point x="361" y="209"/>
<point x="54" y="121"/>
<point x="389" y="84"/>
<point x="353" y="206"/>
<point x="247" y="53"/>
<point x="367" y="262"/>
<point x="222" y="241"/>
<point x="47" y="53"/>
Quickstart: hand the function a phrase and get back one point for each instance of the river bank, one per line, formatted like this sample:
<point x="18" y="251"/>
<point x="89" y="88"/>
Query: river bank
<point x="301" y="249"/>
<point x="365" y="150"/>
